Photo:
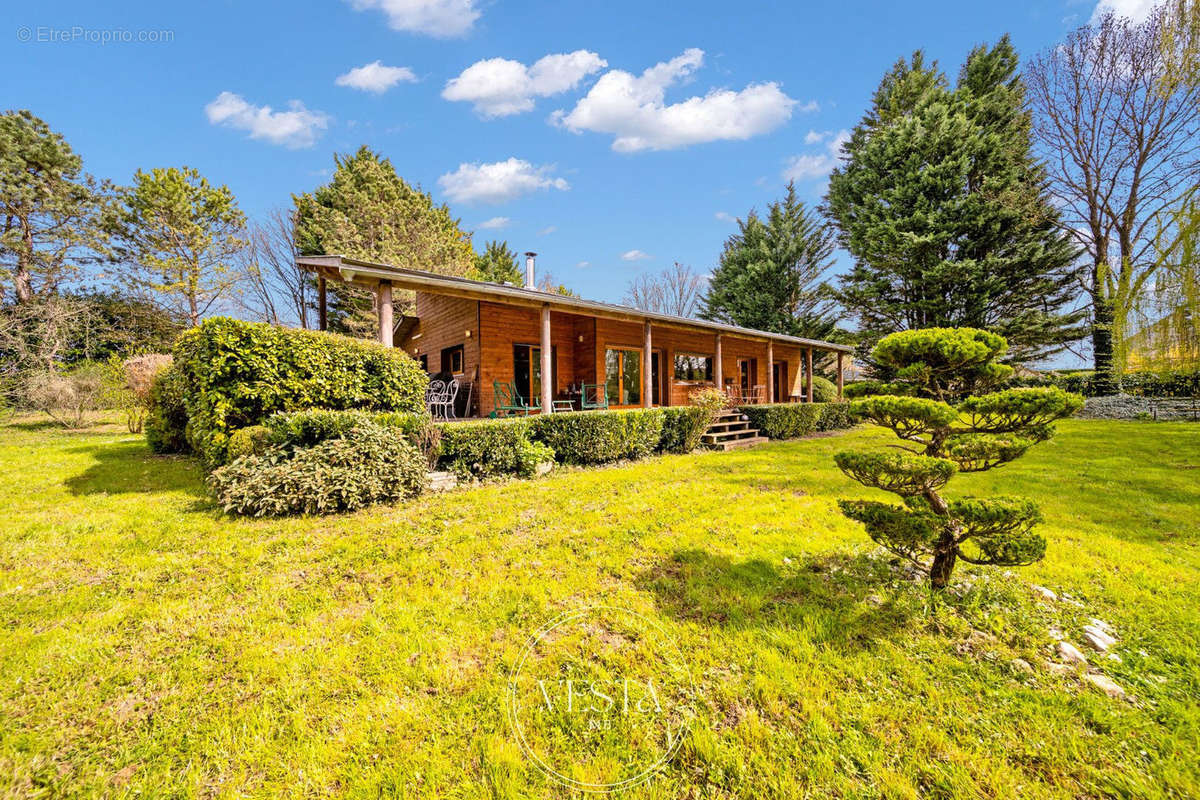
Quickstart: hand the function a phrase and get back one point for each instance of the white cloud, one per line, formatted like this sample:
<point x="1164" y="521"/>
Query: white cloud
<point x="725" y="216"/>
<point x="813" y="137"/>
<point x="498" y="182"/>
<point x="498" y="86"/>
<point x="495" y="223"/>
<point x="294" y="128"/>
<point x="375" y="77"/>
<point x="635" y="255"/>
<point x="546" y="231"/>
<point x="440" y="18"/>
<point x="1136" y="10"/>
<point x="583" y="264"/>
<point x="810" y="166"/>
<point x="633" y="109"/>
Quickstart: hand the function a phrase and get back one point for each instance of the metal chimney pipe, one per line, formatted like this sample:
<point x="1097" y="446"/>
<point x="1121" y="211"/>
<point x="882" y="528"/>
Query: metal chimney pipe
<point x="530" y="280"/>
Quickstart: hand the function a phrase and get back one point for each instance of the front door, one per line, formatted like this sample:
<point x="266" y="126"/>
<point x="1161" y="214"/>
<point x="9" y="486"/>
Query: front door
<point x="527" y="370"/>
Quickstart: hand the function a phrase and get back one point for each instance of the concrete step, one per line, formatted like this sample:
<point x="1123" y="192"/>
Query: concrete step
<point x="738" y="444"/>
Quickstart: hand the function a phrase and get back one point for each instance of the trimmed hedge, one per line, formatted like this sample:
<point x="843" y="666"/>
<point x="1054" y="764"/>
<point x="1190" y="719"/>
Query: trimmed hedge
<point x="600" y="437"/>
<point x="682" y="428"/>
<point x="236" y="374"/>
<point x="489" y="448"/>
<point x="370" y="464"/>
<point x="790" y="420"/>
<point x="166" y="419"/>
<point x="1181" y="383"/>
<point x="299" y="429"/>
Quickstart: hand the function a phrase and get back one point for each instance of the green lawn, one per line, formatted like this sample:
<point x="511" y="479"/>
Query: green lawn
<point x="151" y="646"/>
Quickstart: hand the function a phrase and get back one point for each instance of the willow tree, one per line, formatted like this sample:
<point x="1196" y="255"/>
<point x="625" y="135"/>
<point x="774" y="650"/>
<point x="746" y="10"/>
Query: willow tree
<point x="369" y="212"/>
<point x="940" y="439"/>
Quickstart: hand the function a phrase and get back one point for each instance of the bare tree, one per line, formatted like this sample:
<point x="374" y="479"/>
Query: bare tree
<point x="1122" y="155"/>
<point x="274" y="289"/>
<point x="676" y="291"/>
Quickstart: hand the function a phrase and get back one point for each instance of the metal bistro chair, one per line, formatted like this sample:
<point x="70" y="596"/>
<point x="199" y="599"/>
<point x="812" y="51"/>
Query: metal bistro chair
<point x="509" y="401"/>
<point x="599" y="391"/>
<point x="447" y="399"/>
<point x="433" y="392"/>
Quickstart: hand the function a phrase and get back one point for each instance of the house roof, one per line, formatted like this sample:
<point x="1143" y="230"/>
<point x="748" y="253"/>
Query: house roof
<point x="352" y="270"/>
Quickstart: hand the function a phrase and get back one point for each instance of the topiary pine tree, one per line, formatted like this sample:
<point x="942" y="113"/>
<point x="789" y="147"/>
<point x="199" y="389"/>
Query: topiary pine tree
<point x="980" y="433"/>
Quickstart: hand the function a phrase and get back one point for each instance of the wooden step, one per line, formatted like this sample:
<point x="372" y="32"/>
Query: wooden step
<point x="725" y="436"/>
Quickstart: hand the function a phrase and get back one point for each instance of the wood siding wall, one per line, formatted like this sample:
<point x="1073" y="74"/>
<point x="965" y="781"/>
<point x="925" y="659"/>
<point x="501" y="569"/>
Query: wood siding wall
<point x="580" y="342"/>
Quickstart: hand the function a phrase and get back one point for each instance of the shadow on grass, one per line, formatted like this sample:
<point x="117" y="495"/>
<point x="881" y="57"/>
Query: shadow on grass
<point x="127" y="467"/>
<point x="841" y="601"/>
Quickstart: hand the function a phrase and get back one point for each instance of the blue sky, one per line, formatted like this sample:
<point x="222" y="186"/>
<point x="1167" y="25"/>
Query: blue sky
<point x="605" y="169"/>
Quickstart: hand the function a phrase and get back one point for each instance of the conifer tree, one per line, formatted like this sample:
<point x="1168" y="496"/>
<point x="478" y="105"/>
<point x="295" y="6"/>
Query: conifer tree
<point x="497" y="264"/>
<point x="943" y="207"/>
<point x="770" y="275"/>
<point x="369" y="212"/>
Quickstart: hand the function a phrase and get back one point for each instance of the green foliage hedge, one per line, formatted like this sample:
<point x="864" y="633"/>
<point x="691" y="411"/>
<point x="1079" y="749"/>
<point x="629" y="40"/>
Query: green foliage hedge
<point x="682" y="428"/>
<point x="599" y="437"/>
<point x="824" y="390"/>
<point x="1182" y="383"/>
<point x="236" y="374"/>
<point x="489" y="448"/>
<point x="790" y="420"/>
<point x="166" y="419"/>
<point x="369" y="464"/>
<point x="299" y="429"/>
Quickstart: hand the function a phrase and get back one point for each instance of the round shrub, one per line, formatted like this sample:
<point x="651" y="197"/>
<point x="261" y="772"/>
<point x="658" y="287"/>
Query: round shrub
<point x="250" y="441"/>
<point x="824" y="390"/>
<point x="166" y="419"/>
<point x="370" y="464"/>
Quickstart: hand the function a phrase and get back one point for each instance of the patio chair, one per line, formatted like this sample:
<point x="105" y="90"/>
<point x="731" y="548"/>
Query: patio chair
<point x="447" y="398"/>
<point x="597" y="390"/>
<point x="433" y="393"/>
<point x="508" y="400"/>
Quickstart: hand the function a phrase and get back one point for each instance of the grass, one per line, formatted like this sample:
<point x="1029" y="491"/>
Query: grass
<point x="150" y="646"/>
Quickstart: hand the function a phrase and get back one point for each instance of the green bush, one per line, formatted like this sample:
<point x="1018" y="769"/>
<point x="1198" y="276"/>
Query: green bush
<point x="489" y="448"/>
<point x="683" y="426"/>
<point x="306" y="428"/>
<point x="250" y="441"/>
<point x="858" y="389"/>
<point x="824" y="390"/>
<point x="835" y="417"/>
<point x="599" y="437"/>
<point x="166" y="419"/>
<point x="784" y="420"/>
<point x="369" y="464"/>
<point x="237" y="374"/>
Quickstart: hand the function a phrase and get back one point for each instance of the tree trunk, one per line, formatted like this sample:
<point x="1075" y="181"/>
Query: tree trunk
<point x="942" y="567"/>
<point x="1104" y="381"/>
<point x="21" y="276"/>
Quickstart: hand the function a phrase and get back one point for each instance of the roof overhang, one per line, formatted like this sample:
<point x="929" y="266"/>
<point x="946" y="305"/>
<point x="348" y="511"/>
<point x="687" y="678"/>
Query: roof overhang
<point x="363" y="273"/>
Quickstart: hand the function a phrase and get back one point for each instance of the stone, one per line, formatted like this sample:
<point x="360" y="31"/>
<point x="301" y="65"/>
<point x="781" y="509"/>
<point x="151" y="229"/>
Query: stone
<point x="1059" y="669"/>
<point x="543" y="468"/>
<point x="1044" y="593"/>
<point x="1105" y="684"/>
<point x="1021" y="665"/>
<point x="1097" y="639"/>
<point x="1070" y="653"/>
<point x="1116" y="659"/>
<point x="1101" y="624"/>
<point x="442" y="481"/>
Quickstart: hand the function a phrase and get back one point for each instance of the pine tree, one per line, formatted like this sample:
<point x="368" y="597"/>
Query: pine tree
<point x="497" y="264"/>
<point x="770" y="274"/>
<point x="369" y="212"/>
<point x="942" y="205"/>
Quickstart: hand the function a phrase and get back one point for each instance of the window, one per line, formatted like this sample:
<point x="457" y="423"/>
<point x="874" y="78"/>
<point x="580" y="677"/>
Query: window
<point x="623" y="376"/>
<point x="527" y="370"/>
<point x="693" y="367"/>
<point x="452" y="359"/>
<point x="425" y="362"/>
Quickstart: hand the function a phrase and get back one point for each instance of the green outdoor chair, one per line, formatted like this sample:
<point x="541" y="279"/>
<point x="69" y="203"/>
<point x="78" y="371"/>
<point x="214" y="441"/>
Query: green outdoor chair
<point x="509" y="401"/>
<point x="593" y="390"/>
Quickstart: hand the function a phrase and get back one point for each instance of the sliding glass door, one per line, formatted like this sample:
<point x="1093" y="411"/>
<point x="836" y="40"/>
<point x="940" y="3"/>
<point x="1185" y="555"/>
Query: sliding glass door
<point x="527" y="370"/>
<point x="623" y="376"/>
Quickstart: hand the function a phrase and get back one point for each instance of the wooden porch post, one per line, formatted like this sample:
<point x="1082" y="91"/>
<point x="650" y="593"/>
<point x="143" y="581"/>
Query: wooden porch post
<point x="547" y="363"/>
<point x="839" y="378"/>
<point x="808" y="375"/>
<point x="770" y="371"/>
<point x="719" y="372"/>
<point x="385" y="313"/>
<point x="647" y="368"/>
<point x="322" y="313"/>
